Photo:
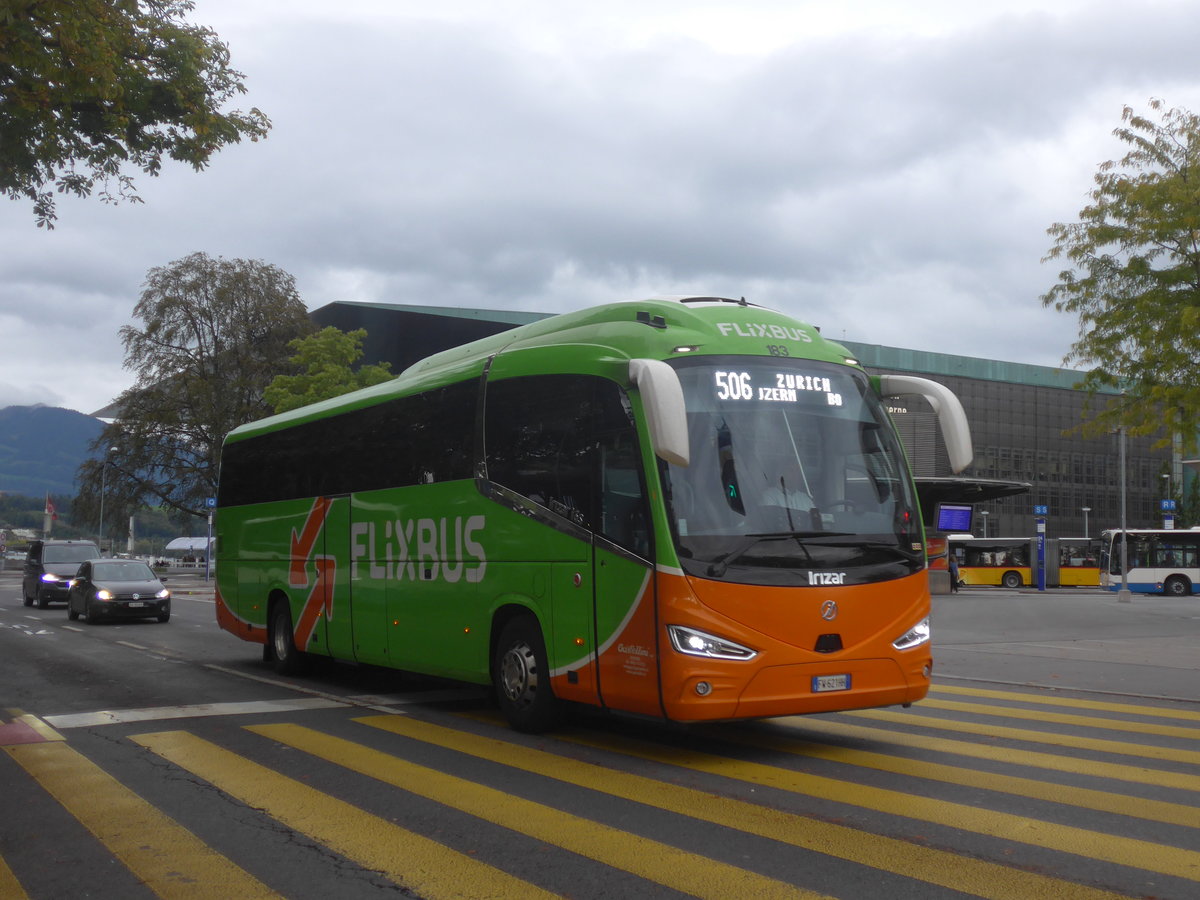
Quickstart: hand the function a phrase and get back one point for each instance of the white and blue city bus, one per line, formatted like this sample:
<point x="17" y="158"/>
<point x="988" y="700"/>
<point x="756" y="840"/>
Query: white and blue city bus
<point x="1160" y="561"/>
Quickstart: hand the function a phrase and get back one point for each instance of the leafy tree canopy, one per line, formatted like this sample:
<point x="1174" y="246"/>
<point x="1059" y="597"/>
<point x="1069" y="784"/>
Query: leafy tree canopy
<point x="1134" y="279"/>
<point x="88" y="86"/>
<point x="324" y="364"/>
<point x="214" y="333"/>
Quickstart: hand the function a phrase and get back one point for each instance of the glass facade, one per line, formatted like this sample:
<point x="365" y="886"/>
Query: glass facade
<point x="1026" y="429"/>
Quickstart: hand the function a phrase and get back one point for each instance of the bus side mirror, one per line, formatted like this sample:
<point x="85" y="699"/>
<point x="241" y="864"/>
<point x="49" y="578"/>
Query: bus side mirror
<point x="951" y="417"/>
<point x="662" y="399"/>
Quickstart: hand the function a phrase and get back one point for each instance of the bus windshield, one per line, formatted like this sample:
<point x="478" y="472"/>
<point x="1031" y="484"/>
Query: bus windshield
<point x="794" y="468"/>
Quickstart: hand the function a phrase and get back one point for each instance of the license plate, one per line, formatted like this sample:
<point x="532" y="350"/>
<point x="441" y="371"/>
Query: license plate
<point x="821" y="683"/>
<point x="135" y="603"/>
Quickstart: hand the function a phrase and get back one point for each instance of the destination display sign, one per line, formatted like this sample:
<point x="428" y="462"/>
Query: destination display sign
<point x="779" y="387"/>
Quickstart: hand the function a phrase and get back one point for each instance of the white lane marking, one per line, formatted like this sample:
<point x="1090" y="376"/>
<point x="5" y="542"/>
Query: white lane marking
<point x="118" y="716"/>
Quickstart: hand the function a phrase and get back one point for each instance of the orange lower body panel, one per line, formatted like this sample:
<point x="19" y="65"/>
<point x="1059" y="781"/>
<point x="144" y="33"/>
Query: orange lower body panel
<point x="788" y="676"/>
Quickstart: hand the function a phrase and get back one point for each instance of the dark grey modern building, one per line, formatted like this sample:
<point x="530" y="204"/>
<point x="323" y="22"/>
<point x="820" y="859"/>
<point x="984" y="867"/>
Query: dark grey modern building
<point x="1023" y="421"/>
<point x="1024" y="426"/>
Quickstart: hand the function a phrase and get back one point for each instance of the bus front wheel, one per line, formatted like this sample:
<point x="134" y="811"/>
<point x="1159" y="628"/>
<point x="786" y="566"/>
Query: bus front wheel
<point x="1177" y="586"/>
<point x="286" y="657"/>
<point x="522" y="677"/>
<point x="1011" y="580"/>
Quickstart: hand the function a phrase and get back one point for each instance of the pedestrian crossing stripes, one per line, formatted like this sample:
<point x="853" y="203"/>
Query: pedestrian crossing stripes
<point x="167" y="858"/>
<point x="1012" y="795"/>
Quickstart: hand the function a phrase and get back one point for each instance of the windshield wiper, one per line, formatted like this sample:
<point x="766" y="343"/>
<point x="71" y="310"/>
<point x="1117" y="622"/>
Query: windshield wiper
<point x="718" y="566"/>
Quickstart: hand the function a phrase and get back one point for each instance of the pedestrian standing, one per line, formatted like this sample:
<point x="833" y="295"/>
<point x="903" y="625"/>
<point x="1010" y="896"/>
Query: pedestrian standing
<point x="952" y="562"/>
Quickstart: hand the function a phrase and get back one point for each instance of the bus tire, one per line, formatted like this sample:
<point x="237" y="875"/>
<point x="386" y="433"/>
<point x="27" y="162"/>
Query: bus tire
<point x="1012" y="580"/>
<point x="1177" y="586"/>
<point x="286" y="657"/>
<point x="521" y="673"/>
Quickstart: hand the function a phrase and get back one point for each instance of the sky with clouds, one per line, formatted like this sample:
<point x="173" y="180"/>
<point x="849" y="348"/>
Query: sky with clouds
<point x="885" y="171"/>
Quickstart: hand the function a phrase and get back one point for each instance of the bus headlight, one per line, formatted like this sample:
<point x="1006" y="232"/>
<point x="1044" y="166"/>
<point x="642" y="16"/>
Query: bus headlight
<point x="914" y="637"/>
<point x="697" y="643"/>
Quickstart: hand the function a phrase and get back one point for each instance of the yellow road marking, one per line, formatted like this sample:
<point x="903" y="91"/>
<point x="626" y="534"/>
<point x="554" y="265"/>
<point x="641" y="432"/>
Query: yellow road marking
<point x="10" y="888"/>
<point x="1172" y="754"/>
<point x="168" y="858"/>
<point x="649" y="859"/>
<point x="1138" y="854"/>
<point x="1012" y="756"/>
<point x="1039" y="715"/>
<point x="1084" y="798"/>
<point x="426" y="867"/>
<point x="962" y="873"/>
<point x="1132" y="709"/>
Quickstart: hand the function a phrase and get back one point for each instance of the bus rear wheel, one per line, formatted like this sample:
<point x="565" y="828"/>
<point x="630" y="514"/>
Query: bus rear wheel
<point x="1177" y="586"/>
<point x="1011" y="580"/>
<point x="521" y="674"/>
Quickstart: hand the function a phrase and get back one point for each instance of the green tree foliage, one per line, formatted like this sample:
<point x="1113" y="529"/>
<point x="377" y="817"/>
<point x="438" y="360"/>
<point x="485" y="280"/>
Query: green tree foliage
<point x="214" y="333"/>
<point x="324" y="365"/>
<point x="88" y="86"/>
<point x="1134" y="280"/>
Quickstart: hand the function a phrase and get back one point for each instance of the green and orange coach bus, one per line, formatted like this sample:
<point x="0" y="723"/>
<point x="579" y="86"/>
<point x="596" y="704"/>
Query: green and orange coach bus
<point x="693" y="509"/>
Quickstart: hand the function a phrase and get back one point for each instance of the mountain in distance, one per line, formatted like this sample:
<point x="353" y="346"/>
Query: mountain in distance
<point x="42" y="447"/>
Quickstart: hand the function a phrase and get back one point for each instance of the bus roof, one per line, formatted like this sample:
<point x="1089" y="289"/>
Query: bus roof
<point x="656" y="328"/>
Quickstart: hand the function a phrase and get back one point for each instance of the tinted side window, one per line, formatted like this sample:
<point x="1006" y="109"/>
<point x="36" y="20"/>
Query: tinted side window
<point x="538" y="439"/>
<point x="417" y="439"/>
<point x="567" y="442"/>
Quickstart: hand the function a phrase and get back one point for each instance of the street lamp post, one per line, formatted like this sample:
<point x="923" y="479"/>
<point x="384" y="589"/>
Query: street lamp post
<point x="1123" y="595"/>
<point x="1086" y="510"/>
<point x="103" y="479"/>
<point x="984" y="514"/>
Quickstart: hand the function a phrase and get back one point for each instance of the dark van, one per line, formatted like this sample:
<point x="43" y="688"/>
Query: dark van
<point x="49" y="568"/>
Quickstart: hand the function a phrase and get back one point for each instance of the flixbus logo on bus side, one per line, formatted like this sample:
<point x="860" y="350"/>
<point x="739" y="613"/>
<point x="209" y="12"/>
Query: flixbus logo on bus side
<point x="764" y="330"/>
<point x="419" y="549"/>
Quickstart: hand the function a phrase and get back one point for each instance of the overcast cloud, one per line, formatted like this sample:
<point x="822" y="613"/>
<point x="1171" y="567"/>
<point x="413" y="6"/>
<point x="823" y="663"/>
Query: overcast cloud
<point x="885" y="171"/>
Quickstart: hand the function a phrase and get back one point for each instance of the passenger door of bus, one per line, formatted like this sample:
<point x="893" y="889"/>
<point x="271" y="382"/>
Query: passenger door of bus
<point x="624" y="595"/>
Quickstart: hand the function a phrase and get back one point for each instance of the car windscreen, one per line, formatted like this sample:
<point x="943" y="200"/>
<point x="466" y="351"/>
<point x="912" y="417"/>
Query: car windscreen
<point x="122" y="571"/>
<point x="68" y="553"/>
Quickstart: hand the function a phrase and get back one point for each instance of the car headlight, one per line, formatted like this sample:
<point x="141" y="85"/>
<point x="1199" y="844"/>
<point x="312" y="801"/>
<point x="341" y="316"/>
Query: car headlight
<point x="914" y="637"/>
<point x="697" y="643"/>
<point x="51" y="578"/>
<point x="164" y="594"/>
<point x="102" y="594"/>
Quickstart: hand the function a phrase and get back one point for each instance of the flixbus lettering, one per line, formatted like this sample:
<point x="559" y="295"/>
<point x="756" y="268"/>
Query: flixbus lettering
<point x="419" y="549"/>
<point x="643" y="507"/>
<point x="765" y="330"/>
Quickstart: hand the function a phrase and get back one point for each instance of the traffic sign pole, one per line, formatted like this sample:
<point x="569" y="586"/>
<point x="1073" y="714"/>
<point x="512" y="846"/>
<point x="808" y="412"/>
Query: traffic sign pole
<point x="1041" y="512"/>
